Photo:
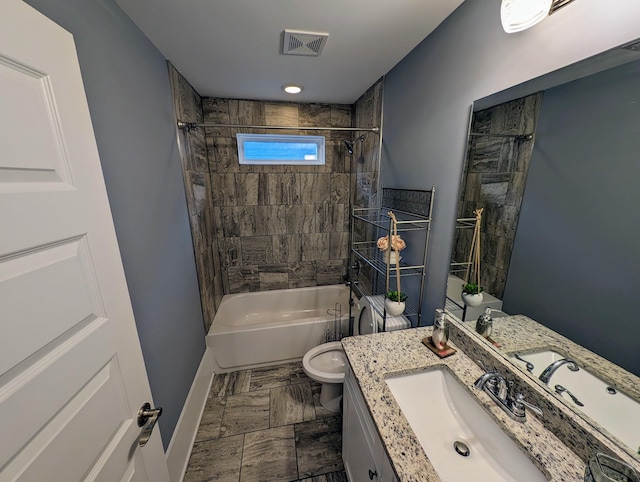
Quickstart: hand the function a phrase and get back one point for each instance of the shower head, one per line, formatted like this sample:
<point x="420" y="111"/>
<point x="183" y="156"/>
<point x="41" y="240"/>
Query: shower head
<point x="349" y="144"/>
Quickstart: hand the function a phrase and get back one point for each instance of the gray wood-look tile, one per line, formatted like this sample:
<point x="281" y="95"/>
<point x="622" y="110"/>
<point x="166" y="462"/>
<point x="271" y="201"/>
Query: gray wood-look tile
<point x="332" y="477"/>
<point x="315" y="188"/>
<point x="234" y="383"/>
<point x="300" y="219"/>
<point x="245" y="412"/>
<point x="319" y="446"/>
<point x="280" y="114"/>
<point x="330" y="272"/>
<point x="339" y="188"/>
<point x="315" y="246"/>
<point x="314" y="115"/>
<point x="269" y="377"/>
<point x="211" y="420"/>
<point x="243" y="279"/>
<point x="302" y="274"/>
<point x="257" y="250"/>
<point x="271" y="220"/>
<point x="286" y="249"/>
<point x="269" y="455"/>
<point x="284" y="188"/>
<point x="272" y="280"/>
<point x="216" y="460"/>
<point x="297" y="374"/>
<point x="291" y="404"/>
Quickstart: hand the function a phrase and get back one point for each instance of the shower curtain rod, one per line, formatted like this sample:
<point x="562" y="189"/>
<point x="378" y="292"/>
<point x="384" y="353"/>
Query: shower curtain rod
<point x="191" y="126"/>
<point x="527" y="137"/>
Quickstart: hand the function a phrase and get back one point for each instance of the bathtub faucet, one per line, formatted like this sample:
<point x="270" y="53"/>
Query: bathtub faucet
<point x="545" y="376"/>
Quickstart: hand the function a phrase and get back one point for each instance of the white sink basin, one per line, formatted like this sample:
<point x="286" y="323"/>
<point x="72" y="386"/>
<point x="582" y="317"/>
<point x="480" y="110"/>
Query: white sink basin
<point x="441" y="412"/>
<point x="618" y="413"/>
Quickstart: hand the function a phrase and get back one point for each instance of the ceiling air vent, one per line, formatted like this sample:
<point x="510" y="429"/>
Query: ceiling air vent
<point x="296" y="42"/>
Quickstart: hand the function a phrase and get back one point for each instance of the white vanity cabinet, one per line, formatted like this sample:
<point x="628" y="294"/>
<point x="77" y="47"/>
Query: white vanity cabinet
<point x="362" y="451"/>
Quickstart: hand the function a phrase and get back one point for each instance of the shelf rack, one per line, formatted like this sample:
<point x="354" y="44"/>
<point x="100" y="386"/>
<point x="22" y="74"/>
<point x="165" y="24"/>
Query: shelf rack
<point x="412" y="209"/>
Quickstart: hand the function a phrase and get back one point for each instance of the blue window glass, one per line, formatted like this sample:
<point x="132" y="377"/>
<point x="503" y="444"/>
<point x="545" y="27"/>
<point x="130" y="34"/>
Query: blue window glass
<point x="280" y="149"/>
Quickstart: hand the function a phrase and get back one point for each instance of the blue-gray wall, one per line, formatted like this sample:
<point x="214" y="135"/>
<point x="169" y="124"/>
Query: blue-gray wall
<point x="576" y="264"/>
<point x="428" y="97"/>
<point x="127" y="88"/>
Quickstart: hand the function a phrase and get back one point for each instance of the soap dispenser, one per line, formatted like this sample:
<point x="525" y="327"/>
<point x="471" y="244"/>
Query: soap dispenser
<point x="440" y="335"/>
<point x="484" y="325"/>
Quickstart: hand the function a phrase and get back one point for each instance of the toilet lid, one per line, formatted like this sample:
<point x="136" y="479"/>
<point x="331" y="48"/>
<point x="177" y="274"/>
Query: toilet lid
<point x="366" y="322"/>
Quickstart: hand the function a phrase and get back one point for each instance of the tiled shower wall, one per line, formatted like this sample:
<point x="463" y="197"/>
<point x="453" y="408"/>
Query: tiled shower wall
<point x="366" y="170"/>
<point x="279" y="226"/>
<point x="494" y="179"/>
<point x="195" y="169"/>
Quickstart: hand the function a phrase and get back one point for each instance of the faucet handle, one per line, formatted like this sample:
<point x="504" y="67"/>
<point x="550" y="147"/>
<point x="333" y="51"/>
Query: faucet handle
<point x="519" y="404"/>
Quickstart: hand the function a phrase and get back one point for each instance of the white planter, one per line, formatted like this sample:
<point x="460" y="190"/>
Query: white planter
<point x="472" y="300"/>
<point x="393" y="308"/>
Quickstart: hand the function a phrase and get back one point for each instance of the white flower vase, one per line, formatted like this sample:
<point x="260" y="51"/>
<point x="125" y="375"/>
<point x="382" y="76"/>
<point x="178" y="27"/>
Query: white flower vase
<point x="472" y="300"/>
<point x="390" y="257"/>
<point x="393" y="308"/>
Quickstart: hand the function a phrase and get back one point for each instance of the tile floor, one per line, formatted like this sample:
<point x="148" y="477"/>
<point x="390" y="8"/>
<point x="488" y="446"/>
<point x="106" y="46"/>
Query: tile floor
<point x="267" y="424"/>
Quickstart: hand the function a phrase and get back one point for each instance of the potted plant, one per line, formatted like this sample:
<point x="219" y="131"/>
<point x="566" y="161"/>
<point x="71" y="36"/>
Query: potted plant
<point x="472" y="294"/>
<point x="394" y="303"/>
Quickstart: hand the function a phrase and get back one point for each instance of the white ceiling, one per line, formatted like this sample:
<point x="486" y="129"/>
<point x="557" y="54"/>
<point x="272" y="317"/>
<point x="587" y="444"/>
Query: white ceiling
<point x="230" y="48"/>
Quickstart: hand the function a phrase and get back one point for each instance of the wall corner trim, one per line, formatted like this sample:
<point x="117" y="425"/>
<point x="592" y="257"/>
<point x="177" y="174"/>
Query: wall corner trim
<point x="184" y="435"/>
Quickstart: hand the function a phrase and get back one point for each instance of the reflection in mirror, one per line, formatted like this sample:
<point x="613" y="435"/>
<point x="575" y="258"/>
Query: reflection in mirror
<point x="560" y="223"/>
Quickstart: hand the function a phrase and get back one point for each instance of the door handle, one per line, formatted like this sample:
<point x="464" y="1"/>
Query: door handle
<point x="146" y="414"/>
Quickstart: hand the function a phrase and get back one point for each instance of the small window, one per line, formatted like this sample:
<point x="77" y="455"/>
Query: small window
<point x="280" y="149"/>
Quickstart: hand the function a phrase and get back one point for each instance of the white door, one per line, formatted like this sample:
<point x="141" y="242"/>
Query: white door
<point x="72" y="377"/>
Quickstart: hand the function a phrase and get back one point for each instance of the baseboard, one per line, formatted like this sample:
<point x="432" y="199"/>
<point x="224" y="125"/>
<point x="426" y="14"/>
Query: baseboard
<point x="184" y="435"/>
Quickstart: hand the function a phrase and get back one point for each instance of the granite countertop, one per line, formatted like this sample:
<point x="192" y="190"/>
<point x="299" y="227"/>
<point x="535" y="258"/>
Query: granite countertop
<point x="521" y="334"/>
<point x="375" y="357"/>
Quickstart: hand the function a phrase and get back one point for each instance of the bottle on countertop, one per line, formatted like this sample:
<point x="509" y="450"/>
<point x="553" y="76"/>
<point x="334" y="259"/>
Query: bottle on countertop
<point x="484" y="325"/>
<point x="440" y="334"/>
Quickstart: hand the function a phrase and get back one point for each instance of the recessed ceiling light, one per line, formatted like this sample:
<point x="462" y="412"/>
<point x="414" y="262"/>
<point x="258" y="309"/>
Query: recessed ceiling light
<point x="292" y="88"/>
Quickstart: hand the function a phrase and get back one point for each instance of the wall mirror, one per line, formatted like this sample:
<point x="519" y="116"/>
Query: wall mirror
<point x="555" y="164"/>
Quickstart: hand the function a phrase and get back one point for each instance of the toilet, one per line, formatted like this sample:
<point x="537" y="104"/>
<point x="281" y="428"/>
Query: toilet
<point x="369" y="318"/>
<point x="325" y="364"/>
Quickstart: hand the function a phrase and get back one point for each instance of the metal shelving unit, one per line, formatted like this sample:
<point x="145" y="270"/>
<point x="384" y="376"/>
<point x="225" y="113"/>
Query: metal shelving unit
<point x="412" y="209"/>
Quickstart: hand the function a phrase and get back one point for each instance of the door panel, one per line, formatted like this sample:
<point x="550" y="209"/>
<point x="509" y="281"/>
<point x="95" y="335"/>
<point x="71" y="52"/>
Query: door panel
<point x="72" y="377"/>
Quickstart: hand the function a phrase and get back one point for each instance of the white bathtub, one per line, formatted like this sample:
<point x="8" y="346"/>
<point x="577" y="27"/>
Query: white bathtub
<point x="268" y="327"/>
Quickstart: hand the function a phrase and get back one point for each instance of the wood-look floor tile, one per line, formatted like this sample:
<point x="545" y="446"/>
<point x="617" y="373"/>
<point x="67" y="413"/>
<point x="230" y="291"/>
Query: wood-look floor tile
<point x="211" y="420"/>
<point x="319" y="446"/>
<point x="216" y="460"/>
<point x="230" y="383"/>
<point x="291" y="404"/>
<point x="269" y="455"/>
<point x="297" y="374"/>
<point x="246" y="412"/>
<point x="332" y="477"/>
<point x="269" y="377"/>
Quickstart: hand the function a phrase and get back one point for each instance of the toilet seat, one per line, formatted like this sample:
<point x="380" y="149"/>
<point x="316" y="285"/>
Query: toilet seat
<point x="367" y="319"/>
<point x="325" y="363"/>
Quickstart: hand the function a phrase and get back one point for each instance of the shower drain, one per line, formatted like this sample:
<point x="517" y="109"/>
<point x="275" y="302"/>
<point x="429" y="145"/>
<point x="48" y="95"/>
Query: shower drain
<point x="461" y="448"/>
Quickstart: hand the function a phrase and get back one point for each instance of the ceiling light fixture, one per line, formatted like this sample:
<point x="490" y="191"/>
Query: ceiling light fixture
<point x="292" y="88"/>
<point x="518" y="15"/>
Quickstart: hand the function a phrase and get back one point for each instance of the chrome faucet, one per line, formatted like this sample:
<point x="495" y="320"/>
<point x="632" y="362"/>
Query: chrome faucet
<point x="546" y="374"/>
<point x="502" y="392"/>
